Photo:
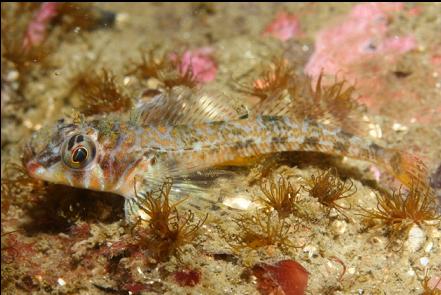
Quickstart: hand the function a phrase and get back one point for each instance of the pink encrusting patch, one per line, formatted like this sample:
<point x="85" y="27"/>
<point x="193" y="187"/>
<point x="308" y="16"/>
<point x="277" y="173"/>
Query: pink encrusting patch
<point x="284" y="27"/>
<point x="435" y="283"/>
<point x="397" y="45"/>
<point x="363" y="50"/>
<point x="362" y="35"/>
<point x="201" y="63"/>
<point x="37" y="29"/>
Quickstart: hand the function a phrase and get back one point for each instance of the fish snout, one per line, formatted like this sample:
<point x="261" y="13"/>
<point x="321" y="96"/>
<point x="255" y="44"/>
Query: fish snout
<point x="29" y="161"/>
<point x="34" y="168"/>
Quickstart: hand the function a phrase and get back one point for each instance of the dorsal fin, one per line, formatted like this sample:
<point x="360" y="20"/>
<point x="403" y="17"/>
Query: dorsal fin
<point x="182" y="106"/>
<point x="283" y="91"/>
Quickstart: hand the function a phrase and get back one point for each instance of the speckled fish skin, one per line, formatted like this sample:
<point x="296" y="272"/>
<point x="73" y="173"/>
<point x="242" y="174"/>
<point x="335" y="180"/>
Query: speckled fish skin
<point x="124" y="152"/>
<point x="205" y="145"/>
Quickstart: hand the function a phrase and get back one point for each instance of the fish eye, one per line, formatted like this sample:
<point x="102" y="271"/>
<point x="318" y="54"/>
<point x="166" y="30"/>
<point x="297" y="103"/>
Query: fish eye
<point x="79" y="155"/>
<point x="78" y="151"/>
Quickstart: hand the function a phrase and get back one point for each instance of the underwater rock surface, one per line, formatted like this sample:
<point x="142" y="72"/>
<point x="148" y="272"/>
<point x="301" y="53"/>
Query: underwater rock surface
<point x="299" y="222"/>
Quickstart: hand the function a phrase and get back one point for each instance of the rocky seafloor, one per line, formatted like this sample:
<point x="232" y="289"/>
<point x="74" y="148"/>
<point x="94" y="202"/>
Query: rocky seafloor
<point x="61" y="240"/>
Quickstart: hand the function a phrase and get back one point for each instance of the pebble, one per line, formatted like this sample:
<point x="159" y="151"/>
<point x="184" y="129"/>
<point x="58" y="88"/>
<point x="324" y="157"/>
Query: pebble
<point x="338" y="227"/>
<point x="333" y="213"/>
<point x="311" y="250"/>
<point x="61" y="282"/>
<point x="122" y="19"/>
<point x="424" y="261"/>
<point x="239" y="202"/>
<point x="428" y="247"/>
<point x="398" y="127"/>
<point x="153" y="83"/>
<point x="375" y="130"/>
<point x="376" y="241"/>
<point x="416" y="238"/>
<point x="435" y="233"/>
<point x="12" y="76"/>
<point x="127" y="81"/>
<point x="411" y="272"/>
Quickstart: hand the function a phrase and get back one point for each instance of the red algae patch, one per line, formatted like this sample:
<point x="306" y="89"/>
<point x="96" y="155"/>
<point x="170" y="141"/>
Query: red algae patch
<point x="187" y="277"/>
<point x="286" y="277"/>
<point x="136" y="288"/>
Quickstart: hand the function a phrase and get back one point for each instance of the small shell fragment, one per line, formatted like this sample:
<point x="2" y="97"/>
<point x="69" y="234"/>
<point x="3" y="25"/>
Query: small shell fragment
<point x="12" y="76"/>
<point x="399" y="128"/>
<point x="311" y="250"/>
<point x="338" y="227"/>
<point x="428" y="247"/>
<point x="416" y="238"/>
<point x="239" y="202"/>
<point x="411" y="273"/>
<point x="375" y="130"/>
<point x="376" y="241"/>
<point x="424" y="261"/>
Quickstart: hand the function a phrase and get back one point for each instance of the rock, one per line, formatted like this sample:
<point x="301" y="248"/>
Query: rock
<point x="416" y="238"/>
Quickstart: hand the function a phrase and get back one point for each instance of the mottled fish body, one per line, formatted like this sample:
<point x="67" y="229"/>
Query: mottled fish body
<point x="110" y="155"/>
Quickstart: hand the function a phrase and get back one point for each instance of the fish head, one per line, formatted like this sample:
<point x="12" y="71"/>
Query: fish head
<point x="65" y="154"/>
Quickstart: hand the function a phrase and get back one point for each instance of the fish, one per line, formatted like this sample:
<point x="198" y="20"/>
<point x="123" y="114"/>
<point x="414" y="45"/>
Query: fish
<point x="175" y="135"/>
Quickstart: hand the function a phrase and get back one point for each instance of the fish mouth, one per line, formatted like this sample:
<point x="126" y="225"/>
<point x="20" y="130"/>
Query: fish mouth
<point x="33" y="167"/>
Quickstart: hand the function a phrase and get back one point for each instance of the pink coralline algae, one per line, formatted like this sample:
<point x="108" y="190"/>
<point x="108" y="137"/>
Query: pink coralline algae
<point x="361" y="36"/>
<point x="201" y="62"/>
<point x="37" y="29"/>
<point x="362" y="49"/>
<point x="286" y="277"/>
<point x="284" y="27"/>
<point x="434" y="284"/>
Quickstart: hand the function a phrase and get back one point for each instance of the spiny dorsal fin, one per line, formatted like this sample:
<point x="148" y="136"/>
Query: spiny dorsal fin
<point x="185" y="106"/>
<point x="283" y="92"/>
